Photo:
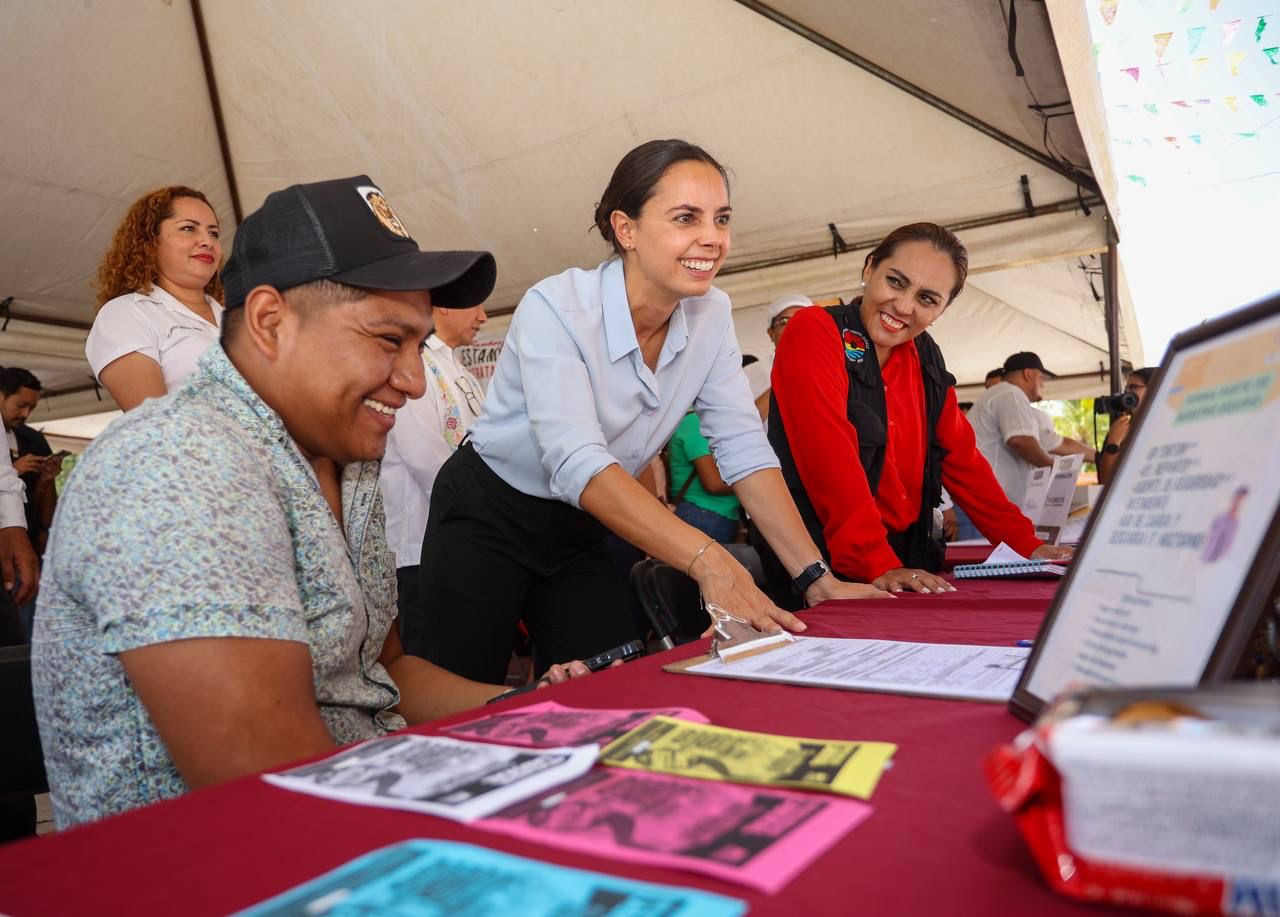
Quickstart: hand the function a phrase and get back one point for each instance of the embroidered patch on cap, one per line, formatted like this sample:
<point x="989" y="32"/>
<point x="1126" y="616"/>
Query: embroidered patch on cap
<point x="855" y="346"/>
<point x="376" y="202"/>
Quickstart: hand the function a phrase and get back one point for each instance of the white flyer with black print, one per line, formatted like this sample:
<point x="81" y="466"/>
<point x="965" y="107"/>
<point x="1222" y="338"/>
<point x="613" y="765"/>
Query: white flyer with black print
<point x="437" y="775"/>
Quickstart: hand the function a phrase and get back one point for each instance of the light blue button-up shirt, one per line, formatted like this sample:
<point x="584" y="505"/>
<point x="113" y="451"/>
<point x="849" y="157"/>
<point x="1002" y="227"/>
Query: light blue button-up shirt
<point x="571" y="394"/>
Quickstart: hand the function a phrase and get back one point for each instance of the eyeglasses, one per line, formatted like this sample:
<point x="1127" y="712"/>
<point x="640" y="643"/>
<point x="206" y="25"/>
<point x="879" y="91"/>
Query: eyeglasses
<point x="780" y="323"/>
<point x="1134" y="388"/>
<point x="468" y="389"/>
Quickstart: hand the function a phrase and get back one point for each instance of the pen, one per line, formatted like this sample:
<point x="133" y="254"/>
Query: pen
<point x="1025" y="644"/>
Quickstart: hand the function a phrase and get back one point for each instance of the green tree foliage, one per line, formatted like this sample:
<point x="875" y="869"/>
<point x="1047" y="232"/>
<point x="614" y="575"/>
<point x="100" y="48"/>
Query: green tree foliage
<point x="68" y="464"/>
<point x="1076" y="419"/>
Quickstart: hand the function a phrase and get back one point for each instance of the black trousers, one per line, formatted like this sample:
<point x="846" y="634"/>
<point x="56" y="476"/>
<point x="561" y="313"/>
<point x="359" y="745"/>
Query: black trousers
<point x="493" y="556"/>
<point x="12" y="630"/>
<point x="21" y="763"/>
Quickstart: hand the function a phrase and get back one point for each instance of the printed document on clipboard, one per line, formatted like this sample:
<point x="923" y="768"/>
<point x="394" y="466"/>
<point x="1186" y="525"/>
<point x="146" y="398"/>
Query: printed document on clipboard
<point x="982" y="673"/>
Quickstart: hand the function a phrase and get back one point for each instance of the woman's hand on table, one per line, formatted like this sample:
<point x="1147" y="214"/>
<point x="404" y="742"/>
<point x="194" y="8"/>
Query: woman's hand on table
<point x="828" y="587"/>
<point x="725" y="582"/>
<point x="906" y="579"/>
<point x="1053" y="552"/>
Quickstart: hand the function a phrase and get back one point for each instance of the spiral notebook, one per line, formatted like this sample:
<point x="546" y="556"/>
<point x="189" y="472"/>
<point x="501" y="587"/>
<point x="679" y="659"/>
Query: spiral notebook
<point x="1005" y="561"/>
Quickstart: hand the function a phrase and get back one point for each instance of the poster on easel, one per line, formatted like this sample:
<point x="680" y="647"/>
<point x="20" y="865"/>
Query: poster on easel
<point x="1180" y="557"/>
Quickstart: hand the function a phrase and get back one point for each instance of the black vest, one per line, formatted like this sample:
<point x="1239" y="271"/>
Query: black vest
<point x="866" y="411"/>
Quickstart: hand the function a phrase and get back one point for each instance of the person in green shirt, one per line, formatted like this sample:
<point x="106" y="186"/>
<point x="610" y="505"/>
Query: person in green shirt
<point x="701" y="496"/>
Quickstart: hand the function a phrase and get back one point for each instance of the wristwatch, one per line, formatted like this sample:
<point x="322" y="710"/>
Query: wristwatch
<point x="808" y="576"/>
<point x="1110" y="448"/>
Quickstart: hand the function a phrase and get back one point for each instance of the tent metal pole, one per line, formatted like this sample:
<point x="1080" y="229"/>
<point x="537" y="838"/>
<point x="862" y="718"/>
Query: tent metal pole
<point x="996" y="219"/>
<point x="1111" y="303"/>
<point x="215" y="102"/>
<point x="45" y="320"/>
<point x="1009" y="216"/>
<point x="1082" y="179"/>
<point x="1072" y="377"/>
<point x="73" y="389"/>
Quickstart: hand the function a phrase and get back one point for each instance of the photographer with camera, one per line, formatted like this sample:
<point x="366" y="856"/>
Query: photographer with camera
<point x="1121" y="407"/>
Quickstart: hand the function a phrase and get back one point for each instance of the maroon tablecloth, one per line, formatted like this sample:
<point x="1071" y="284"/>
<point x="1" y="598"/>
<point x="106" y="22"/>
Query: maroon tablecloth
<point x="967" y="554"/>
<point x="936" y="843"/>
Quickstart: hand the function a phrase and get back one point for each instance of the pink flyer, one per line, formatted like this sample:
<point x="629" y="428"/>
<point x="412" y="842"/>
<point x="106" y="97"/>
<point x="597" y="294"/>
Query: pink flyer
<point x="756" y="836"/>
<point x="551" y="725"/>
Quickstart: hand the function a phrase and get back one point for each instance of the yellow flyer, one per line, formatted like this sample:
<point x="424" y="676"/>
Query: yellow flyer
<point x="715" y="753"/>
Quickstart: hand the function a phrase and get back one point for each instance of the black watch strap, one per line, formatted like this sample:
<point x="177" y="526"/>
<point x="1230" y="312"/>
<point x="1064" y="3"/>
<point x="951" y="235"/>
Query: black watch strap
<point x="1110" y="449"/>
<point x="808" y="576"/>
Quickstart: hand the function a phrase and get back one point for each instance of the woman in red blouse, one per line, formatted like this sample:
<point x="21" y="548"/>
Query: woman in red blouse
<point x="865" y="422"/>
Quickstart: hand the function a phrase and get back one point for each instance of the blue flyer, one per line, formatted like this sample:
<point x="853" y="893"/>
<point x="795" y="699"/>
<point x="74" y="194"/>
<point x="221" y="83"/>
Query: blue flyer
<point x="428" y="878"/>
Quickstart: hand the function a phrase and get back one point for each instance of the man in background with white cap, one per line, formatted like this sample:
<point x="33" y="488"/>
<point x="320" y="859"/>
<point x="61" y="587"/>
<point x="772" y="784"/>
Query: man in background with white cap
<point x="781" y="310"/>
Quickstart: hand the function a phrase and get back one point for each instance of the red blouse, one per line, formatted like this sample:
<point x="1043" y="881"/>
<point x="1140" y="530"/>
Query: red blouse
<point x="811" y="385"/>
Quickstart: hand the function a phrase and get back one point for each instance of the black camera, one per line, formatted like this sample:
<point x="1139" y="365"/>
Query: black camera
<point x="1120" y="403"/>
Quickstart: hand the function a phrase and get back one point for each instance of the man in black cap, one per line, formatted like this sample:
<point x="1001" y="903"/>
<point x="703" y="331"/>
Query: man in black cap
<point x="218" y="595"/>
<point x="1015" y="436"/>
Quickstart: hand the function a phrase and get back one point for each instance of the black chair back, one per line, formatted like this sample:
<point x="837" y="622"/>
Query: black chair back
<point x="670" y="600"/>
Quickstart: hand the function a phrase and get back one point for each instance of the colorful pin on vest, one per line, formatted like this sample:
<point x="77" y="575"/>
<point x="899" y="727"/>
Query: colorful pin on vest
<point x="855" y="346"/>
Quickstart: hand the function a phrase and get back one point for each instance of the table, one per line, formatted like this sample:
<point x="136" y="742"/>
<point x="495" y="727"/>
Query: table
<point x="967" y="554"/>
<point x="936" y="843"/>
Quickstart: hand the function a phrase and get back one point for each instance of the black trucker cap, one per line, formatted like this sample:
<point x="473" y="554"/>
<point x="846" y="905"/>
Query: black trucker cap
<point x="344" y="230"/>
<point x="1025" y="359"/>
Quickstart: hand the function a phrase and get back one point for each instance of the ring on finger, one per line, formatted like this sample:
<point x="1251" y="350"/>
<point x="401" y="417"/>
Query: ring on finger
<point x="915" y="575"/>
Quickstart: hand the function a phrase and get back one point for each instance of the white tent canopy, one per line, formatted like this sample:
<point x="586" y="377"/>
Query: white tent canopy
<point x="495" y="125"/>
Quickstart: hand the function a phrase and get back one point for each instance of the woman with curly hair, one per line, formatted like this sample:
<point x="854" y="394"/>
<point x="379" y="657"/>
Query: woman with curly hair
<point x="158" y="292"/>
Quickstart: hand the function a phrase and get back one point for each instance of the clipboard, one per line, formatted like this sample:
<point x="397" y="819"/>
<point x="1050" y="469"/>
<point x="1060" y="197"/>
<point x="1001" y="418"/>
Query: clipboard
<point x="1013" y="658"/>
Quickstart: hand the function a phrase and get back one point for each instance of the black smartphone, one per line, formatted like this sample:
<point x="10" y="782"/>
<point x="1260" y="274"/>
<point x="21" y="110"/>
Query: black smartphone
<point x="626" y="653"/>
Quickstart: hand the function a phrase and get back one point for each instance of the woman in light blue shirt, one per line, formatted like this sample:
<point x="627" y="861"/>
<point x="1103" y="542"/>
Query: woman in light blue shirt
<point x="598" y="369"/>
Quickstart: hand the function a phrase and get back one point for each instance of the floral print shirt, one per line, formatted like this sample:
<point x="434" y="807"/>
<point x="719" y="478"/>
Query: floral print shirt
<point x="195" y="515"/>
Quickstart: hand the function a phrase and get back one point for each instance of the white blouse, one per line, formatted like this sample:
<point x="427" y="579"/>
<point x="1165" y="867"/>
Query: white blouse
<point x="154" y="324"/>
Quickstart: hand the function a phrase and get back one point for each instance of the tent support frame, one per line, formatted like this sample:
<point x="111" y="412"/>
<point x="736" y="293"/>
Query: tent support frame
<point x="1111" y="304"/>
<point x="215" y="102"/>
<point x="1082" y="179"/>
<point x="995" y="219"/>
